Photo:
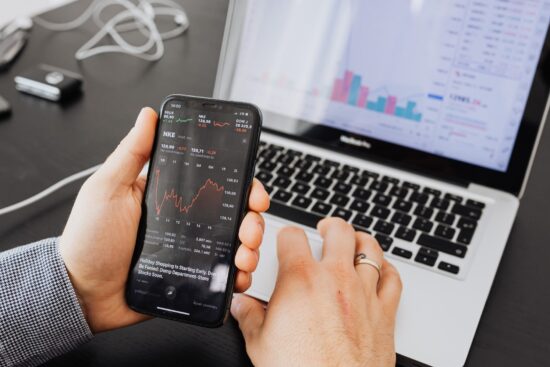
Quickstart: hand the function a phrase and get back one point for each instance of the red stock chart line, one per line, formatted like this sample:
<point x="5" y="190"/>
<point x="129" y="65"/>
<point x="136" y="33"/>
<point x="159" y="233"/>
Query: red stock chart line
<point x="177" y="200"/>
<point x="221" y="124"/>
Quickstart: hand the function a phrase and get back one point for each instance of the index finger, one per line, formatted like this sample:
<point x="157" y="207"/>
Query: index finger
<point x="258" y="200"/>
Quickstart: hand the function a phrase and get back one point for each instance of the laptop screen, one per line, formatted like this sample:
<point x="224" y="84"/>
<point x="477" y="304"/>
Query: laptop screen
<point x="450" y="78"/>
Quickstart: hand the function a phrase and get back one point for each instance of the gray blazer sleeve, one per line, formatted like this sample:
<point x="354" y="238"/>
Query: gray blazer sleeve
<point x="40" y="317"/>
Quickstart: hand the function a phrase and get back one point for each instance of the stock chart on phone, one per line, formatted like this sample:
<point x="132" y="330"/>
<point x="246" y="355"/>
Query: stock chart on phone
<point x="192" y="208"/>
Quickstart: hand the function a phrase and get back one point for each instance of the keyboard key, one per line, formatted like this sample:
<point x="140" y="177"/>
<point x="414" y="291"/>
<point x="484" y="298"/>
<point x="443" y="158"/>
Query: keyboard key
<point x="402" y="205"/>
<point x="350" y="168"/>
<point x="362" y="194"/>
<point x="423" y="225"/>
<point x="401" y="218"/>
<point x="362" y="221"/>
<point x="445" y="218"/>
<point x="444" y="231"/>
<point x="380" y="186"/>
<point x="275" y="147"/>
<point x="304" y="176"/>
<point x="302" y="164"/>
<point x="282" y="195"/>
<point x="268" y="166"/>
<point x="423" y="212"/>
<point x="371" y="174"/>
<point x="359" y="206"/>
<point x="282" y="182"/>
<point x="268" y="155"/>
<point x="342" y="188"/>
<point x="301" y="202"/>
<point x="456" y="198"/>
<point x="330" y="163"/>
<point x="423" y="259"/>
<point x="312" y="158"/>
<point x="294" y="214"/>
<point x="264" y="177"/>
<point x="322" y="208"/>
<point x="442" y="245"/>
<point x="384" y="227"/>
<point x="419" y="197"/>
<point x="428" y="252"/>
<point x="392" y="180"/>
<point x="294" y="152"/>
<point x="323" y="182"/>
<point x="441" y="204"/>
<point x="268" y="188"/>
<point x="359" y="180"/>
<point x="321" y="169"/>
<point x="286" y="171"/>
<point x="465" y="236"/>
<point x="405" y="233"/>
<point x="382" y="199"/>
<point x="400" y="192"/>
<point x="286" y="159"/>
<point x="339" y="200"/>
<point x="431" y="191"/>
<point x="410" y="185"/>
<point x="320" y="194"/>
<point x="384" y="241"/>
<point x="475" y="204"/>
<point x="342" y="213"/>
<point x="465" y="223"/>
<point x="340" y="175"/>
<point x="380" y="212"/>
<point x="402" y="252"/>
<point x="300" y="188"/>
<point x="466" y="211"/>
<point x="453" y="269"/>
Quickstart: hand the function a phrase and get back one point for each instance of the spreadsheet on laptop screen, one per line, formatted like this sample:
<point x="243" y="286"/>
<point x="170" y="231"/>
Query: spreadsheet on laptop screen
<point x="450" y="78"/>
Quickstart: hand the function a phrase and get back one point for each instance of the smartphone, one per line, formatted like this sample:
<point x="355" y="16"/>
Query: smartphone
<point x="200" y="174"/>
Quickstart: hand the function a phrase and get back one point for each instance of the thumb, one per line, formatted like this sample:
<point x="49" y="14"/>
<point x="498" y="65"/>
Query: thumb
<point x="126" y="162"/>
<point x="250" y="315"/>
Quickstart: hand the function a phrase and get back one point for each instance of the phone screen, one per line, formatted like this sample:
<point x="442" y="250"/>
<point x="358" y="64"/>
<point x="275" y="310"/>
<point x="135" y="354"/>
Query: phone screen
<point x="198" y="182"/>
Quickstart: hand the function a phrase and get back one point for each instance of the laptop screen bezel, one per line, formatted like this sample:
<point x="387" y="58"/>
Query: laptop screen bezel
<point x="365" y="147"/>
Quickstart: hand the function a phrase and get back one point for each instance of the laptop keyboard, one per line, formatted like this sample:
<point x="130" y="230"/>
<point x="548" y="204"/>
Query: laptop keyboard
<point x="305" y="188"/>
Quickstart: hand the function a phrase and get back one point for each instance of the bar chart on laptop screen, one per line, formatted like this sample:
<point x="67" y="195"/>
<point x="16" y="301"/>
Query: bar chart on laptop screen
<point x="446" y="77"/>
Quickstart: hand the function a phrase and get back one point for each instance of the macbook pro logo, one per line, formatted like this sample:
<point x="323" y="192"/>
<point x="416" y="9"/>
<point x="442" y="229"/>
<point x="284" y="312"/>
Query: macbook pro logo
<point x="354" y="141"/>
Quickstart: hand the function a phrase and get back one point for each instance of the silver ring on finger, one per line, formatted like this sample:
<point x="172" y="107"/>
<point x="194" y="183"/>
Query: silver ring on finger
<point x="362" y="259"/>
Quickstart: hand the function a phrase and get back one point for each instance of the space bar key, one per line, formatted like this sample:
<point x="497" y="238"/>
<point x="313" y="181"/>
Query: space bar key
<point x="293" y="214"/>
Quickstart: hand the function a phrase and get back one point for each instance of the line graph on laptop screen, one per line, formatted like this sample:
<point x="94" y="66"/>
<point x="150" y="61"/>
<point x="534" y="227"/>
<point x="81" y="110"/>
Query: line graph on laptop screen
<point x="446" y="77"/>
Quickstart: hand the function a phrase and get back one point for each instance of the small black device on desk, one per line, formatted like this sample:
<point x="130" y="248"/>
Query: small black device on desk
<point x="49" y="82"/>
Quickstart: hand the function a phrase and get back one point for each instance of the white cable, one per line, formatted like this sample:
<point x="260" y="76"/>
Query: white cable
<point x="50" y="190"/>
<point x="140" y="16"/>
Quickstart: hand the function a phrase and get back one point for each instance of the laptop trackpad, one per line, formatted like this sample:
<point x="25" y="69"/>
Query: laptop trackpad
<point x="263" y="279"/>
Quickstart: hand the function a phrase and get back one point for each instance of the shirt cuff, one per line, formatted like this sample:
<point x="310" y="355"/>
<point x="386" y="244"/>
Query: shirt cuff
<point x="40" y="315"/>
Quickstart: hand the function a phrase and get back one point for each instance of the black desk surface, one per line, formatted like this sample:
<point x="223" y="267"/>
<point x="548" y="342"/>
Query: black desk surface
<point x="44" y="142"/>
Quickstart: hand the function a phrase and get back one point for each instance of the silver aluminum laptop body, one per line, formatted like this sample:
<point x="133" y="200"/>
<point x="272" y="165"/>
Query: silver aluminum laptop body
<point x="439" y="312"/>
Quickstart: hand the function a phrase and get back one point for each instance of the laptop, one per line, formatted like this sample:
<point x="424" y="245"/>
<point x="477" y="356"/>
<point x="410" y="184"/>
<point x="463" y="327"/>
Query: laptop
<point x="416" y="121"/>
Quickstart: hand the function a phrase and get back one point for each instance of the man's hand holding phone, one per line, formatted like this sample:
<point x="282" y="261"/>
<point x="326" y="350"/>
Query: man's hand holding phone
<point x="100" y="235"/>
